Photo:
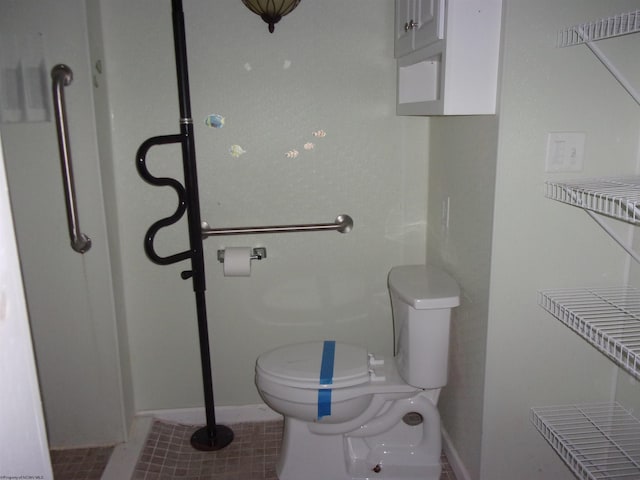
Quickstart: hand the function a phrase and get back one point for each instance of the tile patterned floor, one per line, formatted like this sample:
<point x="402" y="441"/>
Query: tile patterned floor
<point x="251" y="456"/>
<point x="79" y="463"/>
<point x="168" y="454"/>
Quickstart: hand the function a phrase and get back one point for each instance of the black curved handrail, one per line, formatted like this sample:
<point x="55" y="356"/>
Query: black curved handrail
<point x="213" y="436"/>
<point x="141" y="164"/>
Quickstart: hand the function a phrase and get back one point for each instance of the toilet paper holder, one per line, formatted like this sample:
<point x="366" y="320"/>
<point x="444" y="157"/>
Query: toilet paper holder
<point x="257" y="253"/>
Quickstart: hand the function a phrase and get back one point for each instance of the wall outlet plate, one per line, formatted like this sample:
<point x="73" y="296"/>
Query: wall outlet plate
<point x="565" y="151"/>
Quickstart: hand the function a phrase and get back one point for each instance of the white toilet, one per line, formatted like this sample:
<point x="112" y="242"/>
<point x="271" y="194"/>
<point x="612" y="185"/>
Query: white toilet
<point x="350" y="414"/>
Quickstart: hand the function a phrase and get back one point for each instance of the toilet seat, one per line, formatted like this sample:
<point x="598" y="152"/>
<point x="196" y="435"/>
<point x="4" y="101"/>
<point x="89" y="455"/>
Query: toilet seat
<point x="328" y="382"/>
<point x="289" y="380"/>
<point x="300" y="365"/>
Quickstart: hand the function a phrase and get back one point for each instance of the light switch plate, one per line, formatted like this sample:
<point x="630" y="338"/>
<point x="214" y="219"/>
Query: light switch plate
<point x="565" y="151"/>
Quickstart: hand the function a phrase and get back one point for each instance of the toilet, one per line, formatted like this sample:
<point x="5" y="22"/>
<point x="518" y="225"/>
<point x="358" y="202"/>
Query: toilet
<point x="351" y="414"/>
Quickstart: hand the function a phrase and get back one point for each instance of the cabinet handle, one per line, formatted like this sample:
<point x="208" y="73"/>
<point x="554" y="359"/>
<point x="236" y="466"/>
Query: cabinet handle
<point x="410" y="25"/>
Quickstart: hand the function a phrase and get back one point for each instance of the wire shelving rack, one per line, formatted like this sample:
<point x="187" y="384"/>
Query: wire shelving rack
<point x="608" y="318"/>
<point x="617" y="197"/>
<point x="601" y="440"/>
<point x="596" y="441"/>
<point x="608" y="27"/>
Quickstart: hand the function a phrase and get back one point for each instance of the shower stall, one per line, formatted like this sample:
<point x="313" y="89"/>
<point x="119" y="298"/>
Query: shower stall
<point x="72" y="297"/>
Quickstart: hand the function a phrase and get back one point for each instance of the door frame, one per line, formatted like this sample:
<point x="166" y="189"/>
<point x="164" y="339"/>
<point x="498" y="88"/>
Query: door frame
<point x="24" y="450"/>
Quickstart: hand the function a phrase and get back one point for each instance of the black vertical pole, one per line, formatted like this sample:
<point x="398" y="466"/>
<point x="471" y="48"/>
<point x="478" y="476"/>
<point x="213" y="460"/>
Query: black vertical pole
<point x="211" y="437"/>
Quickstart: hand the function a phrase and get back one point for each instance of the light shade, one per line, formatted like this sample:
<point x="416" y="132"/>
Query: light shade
<point x="271" y="11"/>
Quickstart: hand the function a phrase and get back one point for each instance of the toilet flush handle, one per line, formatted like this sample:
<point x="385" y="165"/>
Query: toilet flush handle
<point x="375" y="377"/>
<point x="375" y="361"/>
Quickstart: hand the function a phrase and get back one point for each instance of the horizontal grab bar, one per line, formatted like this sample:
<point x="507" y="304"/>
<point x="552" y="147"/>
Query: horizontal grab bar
<point x="342" y="224"/>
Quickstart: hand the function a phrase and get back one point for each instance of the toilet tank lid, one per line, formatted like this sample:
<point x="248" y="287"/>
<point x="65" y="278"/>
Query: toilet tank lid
<point x="424" y="287"/>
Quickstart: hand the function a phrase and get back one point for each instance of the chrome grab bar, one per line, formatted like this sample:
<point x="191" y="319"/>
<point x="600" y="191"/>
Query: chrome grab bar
<point x="61" y="76"/>
<point x="342" y="224"/>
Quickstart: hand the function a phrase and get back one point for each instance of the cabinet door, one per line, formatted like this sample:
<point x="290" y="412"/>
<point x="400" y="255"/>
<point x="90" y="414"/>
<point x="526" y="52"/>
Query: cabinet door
<point x="404" y="36"/>
<point x="430" y="19"/>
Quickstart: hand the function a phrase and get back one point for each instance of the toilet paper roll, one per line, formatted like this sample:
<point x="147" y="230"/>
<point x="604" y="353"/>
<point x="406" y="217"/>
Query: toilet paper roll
<point x="237" y="262"/>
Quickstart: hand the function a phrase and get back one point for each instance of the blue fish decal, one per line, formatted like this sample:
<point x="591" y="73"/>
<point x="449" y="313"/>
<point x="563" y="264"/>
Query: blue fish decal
<point x="214" y="120"/>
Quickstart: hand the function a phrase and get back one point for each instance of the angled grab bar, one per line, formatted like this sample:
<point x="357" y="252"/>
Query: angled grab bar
<point x="342" y="224"/>
<point x="61" y="76"/>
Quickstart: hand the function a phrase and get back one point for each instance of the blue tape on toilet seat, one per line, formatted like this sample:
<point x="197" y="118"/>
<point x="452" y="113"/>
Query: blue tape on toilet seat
<point x="326" y="378"/>
<point x="324" y="402"/>
<point x="326" y="367"/>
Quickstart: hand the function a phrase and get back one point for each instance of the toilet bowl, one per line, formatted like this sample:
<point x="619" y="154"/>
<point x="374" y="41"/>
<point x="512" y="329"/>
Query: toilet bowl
<point x="350" y="414"/>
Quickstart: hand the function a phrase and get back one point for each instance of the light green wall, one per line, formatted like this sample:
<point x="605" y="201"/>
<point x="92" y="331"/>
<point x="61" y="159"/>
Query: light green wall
<point x="505" y="241"/>
<point x="462" y="164"/>
<point x="532" y="360"/>
<point x="328" y="66"/>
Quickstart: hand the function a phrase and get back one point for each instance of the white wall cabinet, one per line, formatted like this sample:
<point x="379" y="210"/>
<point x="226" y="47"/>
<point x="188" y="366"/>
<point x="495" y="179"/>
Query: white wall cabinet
<point x="418" y="23"/>
<point x="448" y="56"/>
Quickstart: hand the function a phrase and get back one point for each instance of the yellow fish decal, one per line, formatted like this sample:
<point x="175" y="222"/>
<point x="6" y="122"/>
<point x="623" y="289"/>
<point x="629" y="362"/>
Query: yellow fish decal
<point x="236" y="151"/>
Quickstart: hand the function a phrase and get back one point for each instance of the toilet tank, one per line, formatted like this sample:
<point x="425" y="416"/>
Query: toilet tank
<point x="422" y="297"/>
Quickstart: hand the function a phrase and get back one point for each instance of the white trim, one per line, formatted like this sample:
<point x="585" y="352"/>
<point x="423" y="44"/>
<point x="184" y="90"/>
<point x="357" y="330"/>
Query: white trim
<point x="228" y="414"/>
<point x="24" y="451"/>
<point x="124" y="458"/>
<point x="454" y="458"/>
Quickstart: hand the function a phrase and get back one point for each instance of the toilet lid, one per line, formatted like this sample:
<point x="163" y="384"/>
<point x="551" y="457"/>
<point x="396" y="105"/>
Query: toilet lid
<point x="327" y="364"/>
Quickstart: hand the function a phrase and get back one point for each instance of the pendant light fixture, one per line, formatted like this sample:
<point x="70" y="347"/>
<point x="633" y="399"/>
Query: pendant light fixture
<point x="271" y="11"/>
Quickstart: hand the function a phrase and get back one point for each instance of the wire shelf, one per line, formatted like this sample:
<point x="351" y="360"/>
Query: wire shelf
<point x="596" y="441"/>
<point x="608" y="318"/>
<point x="609" y="27"/>
<point x="617" y="197"/>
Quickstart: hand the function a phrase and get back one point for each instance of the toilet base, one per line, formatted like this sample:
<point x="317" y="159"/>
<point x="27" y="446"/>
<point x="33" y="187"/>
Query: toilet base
<point x="397" y="472"/>
<point x="303" y="455"/>
<point x="401" y="452"/>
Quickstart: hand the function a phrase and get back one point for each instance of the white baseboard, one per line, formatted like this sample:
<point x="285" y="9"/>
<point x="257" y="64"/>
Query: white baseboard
<point x="124" y="458"/>
<point x="231" y="414"/>
<point x="454" y="459"/>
